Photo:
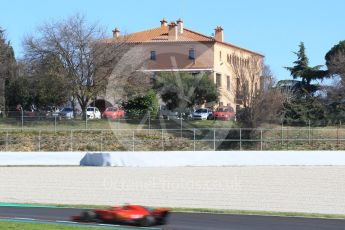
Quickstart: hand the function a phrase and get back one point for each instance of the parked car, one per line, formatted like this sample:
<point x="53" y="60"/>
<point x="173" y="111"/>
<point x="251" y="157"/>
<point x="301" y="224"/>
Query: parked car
<point x="52" y="111"/>
<point x="93" y="113"/>
<point x="113" y="113"/>
<point x="224" y="114"/>
<point x="66" y="113"/>
<point x="202" y="114"/>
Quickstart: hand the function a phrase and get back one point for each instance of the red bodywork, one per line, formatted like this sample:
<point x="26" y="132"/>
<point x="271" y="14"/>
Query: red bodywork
<point x="224" y="114"/>
<point x="128" y="214"/>
<point x="113" y="113"/>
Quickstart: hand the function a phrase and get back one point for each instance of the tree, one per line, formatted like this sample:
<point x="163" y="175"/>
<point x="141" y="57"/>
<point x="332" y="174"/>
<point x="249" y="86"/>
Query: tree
<point x="185" y="90"/>
<point x="302" y="70"/>
<point x="304" y="105"/>
<point x="335" y="100"/>
<point x="261" y="105"/>
<point x="19" y="91"/>
<point x="139" y="106"/>
<point x="335" y="60"/>
<point x="87" y="61"/>
<point x="258" y="101"/>
<point x="7" y="67"/>
<point x="40" y="83"/>
<point x="45" y="71"/>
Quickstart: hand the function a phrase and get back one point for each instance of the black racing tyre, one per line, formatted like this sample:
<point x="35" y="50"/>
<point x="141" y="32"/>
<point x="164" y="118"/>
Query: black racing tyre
<point x="162" y="221"/>
<point x="88" y="216"/>
<point x="147" y="221"/>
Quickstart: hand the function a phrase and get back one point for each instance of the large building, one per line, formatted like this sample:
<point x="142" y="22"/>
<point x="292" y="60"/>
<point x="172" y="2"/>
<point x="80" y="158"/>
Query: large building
<point x="174" y="48"/>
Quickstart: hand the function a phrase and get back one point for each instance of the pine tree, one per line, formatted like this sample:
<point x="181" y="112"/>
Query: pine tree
<point x="302" y="70"/>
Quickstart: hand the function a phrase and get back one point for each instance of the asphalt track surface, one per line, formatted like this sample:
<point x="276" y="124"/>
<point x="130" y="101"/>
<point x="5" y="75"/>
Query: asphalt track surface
<point x="183" y="221"/>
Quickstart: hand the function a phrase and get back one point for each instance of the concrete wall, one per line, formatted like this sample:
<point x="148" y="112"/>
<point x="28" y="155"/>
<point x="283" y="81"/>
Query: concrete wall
<point x="182" y="158"/>
<point x="318" y="189"/>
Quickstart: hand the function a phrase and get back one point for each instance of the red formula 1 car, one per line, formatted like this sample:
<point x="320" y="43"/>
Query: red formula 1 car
<point x="127" y="214"/>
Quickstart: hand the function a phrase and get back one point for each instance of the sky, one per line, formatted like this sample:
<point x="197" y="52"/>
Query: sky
<point x="271" y="27"/>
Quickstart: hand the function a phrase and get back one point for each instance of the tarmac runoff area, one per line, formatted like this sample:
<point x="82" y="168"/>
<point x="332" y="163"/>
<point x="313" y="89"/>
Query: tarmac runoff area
<point x="308" y="189"/>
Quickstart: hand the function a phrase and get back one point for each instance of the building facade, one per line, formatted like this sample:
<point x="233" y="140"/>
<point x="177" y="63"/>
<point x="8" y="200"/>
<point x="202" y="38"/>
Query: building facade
<point x="174" y="48"/>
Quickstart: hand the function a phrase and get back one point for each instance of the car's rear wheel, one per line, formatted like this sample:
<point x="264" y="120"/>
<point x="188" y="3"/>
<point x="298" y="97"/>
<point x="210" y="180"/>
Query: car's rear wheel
<point x="147" y="221"/>
<point x="88" y="216"/>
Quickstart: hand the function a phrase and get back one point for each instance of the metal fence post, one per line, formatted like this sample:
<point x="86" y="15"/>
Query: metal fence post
<point x="6" y="145"/>
<point x="181" y="127"/>
<point x="22" y="119"/>
<point x="162" y="139"/>
<point x="338" y="136"/>
<point x="240" y="138"/>
<point x="39" y="141"/>
<point x="214" y="139"/>
<point x="309" y="133"/>
<point x="85" y="118"/>
<point x="71" y="141"/>
<point x="287" y="138"/>
<point x="133" y="139"/>
<point x="340" y="128"/>
<point x="194" y="138"/>
<point x="55" y="124"/>
<point x="261" y="139"/>
<point x="149" y="120"/>
<point x="101" y="140"/>
<point x="281" y="136"/>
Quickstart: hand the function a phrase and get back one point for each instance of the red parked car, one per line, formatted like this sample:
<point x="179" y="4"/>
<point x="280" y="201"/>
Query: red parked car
<point x="113" y="113"/>
<point x="127" y="214"/>
<point x="224" y="114"/>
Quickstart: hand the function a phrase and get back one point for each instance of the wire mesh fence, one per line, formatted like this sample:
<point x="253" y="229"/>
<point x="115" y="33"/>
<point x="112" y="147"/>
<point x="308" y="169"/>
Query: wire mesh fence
<point x="196" y="139"/>
<point x="46" y="131"/>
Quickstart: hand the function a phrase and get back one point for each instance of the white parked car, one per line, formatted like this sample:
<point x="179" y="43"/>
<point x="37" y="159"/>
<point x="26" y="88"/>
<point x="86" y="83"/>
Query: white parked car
<point x="93" y="113"/>
<point x="202" y="114"/>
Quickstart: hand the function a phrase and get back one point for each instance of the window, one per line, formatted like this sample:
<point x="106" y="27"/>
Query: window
<point x="153" y="55"/>
<point x="220" y="55"/>
<point x="228" y="83"/>
<point x="218" y="80"/>
<point x="191" y="55"/>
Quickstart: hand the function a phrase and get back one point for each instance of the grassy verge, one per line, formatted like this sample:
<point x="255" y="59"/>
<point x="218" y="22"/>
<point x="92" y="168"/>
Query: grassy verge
<point x="34" y="226"/>
<point x="202" y="210"/>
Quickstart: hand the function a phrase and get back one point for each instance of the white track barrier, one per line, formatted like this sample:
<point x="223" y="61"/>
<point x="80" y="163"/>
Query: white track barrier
<point x="180" y="159"/>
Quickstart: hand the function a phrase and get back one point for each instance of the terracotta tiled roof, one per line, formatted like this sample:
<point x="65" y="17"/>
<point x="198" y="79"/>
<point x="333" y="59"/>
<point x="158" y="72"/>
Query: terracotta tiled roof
<point x="160" y="34"/>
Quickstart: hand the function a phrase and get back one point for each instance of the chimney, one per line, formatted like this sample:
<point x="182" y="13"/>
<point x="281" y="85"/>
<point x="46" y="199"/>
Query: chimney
<point x="218" y="34"/>
<point x="116" y="33"/>
<point x="172" y="31"/>
<point x="164" y="23"/>
<point x="179" y="26"/>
